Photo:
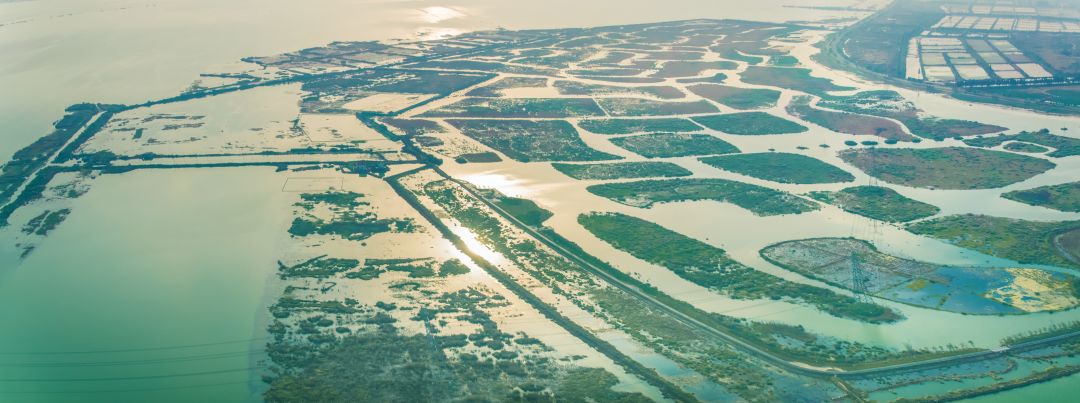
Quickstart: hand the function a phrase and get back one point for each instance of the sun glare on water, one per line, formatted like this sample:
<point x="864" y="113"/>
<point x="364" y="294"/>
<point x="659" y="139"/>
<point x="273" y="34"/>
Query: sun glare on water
<point x="475" y="246"/>
<point x="506" y="184"/>
<point x="439" y="14"/>
<point x="435" y="33"/>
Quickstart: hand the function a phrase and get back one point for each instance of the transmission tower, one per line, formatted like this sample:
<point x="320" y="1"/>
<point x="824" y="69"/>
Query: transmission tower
<point x="860" y="277"/>
<point x="876" y="232"/>
<point x="860" y="280"/>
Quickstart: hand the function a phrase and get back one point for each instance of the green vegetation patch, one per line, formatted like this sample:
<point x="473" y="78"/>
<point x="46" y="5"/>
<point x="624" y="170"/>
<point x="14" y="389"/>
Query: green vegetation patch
<point x="414" y="127"/>
<point x="946" y="168"/>
<point x="1022" y="147"/>
<point x="373" y="268"/>
<point x="482" y="158"/>
<point x="1063" y="146"/>
<point x="784" y="61"/>
<point x="531" y="140"/>
<point x="612" y="72"/>
<point x="612" y="57"/>
<point x="622" y="170"/>
<point x="319" y="267"/>
<point x="760" y="200"/>
<point x="34" y="156"/>
<point x="493" y="67"/>
<point x="717" y="78"/>
<point x="968" y="290"/>
<point x="627" y="126"/>
<point x="377" y="362"/>
<point x="335" y="199"/>
<point x="525" y="210"/>
<point x="561" y="60"/>
<point x="711" y="267"/>
<point x="424" y="270"/>
<point x="428" y="141"/>
<point x="750" y="123"/>
<point x="627" y="80"/>
<point x="781" y="167"/>
<point x="594" y="384"/>
<point x="845" y="122"/>
<point x="1063" y="197"/>
<point x="567" y="87"/>
<point x="351" y="225"/>
<point x="892" y="105"/>
<point x="877" y="202"/>
<point x="1031" y="242"/>
<point x="737" y="98"/>
<point x="648" y="107"/>
<point x="453" y="267"/>
<point x="797" y="79"/>
<point x="414" y="267"/>
<point x="730" y="51"/>
<point x="518" y="108"/>
<point x="665" y="145"/>
<point x="1069" y="245"/>
<point x="686" y="68"/>
<point x="345" y="221"/>
<point x="672" y="55"/>
<point x="495" y="89"/>
<point x="749" y="46"/>
<point x="44" y="223"/>
<point x="387" y="80"/>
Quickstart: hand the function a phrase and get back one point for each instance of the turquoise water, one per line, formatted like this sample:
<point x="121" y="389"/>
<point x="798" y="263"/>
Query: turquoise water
<point x="1061" y="390"/>
<point x="154" y="261"/>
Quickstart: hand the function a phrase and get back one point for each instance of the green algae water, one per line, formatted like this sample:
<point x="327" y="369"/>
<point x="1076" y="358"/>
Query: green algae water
<point x="153" y="292"/>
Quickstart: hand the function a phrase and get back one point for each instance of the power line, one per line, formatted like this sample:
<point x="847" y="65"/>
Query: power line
<point x="129" y="378"/>
<point x="128" y="350"/>
<point x="161" y="360"/>
<point x="55" y="392"/>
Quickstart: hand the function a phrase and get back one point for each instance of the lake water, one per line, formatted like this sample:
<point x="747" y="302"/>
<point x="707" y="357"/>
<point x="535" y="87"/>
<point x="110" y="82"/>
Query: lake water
<point x="160" y="273"/>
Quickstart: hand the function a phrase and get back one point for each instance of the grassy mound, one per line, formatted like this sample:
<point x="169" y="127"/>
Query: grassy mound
<point x="663" y="145"/>
<point x="750" y="123"/>
<point x="622" y="170"/>
<point x="879" y="203"/>
<point x="781" y="167"/>
<point x="735" y="97"/>
<point x="760" y="200"/>
<point x="1064" y="197"/>
<point x="628" y="126"/>
<point x="1024" y="241"/>
<point x="946" y="168"/>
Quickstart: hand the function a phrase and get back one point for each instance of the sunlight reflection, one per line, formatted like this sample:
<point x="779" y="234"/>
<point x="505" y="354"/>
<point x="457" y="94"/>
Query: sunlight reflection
<point x="439" y="14"/>
<point x="475" y="271"/>
<point x="477" y="247"/>
<point x="435" y="33"/>
<point x="508" y="185"/>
